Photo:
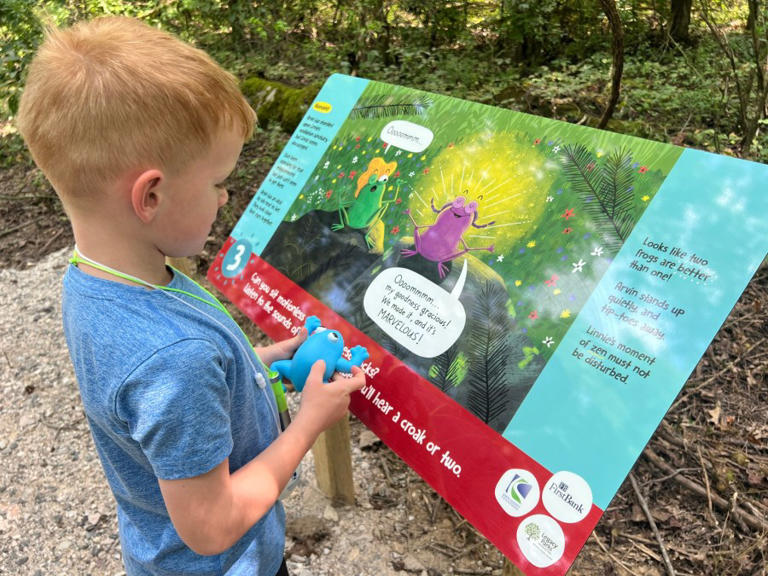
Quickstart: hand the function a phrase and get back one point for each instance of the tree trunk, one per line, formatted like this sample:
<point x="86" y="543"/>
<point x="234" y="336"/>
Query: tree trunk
<point x="752" y="123"/>
<point x="679" y="29"/>
<point x="617" y="50"/>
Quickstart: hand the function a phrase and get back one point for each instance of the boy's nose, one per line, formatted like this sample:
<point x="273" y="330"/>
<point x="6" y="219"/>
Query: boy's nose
<point x="223" y="197"/>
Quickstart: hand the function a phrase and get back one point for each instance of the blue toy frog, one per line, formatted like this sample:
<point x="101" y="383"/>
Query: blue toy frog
<point x="321" y="344"/>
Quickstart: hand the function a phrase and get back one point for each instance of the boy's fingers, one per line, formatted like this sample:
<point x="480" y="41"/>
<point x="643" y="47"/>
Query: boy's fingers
<point x="357" y="381"/>
<point x="297" y="340"/>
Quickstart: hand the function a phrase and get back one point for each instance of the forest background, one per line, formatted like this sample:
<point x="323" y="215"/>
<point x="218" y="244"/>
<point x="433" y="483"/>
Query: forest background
<point x="688" y="72"/>
<point x="692" y="73"/>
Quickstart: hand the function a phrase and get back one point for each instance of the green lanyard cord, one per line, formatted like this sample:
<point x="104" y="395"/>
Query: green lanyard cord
<point x="213" y="302"/>
<point x="274" y="378"/>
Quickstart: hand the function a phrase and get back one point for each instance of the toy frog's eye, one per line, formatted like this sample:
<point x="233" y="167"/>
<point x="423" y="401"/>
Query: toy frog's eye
<point x="333" y="337"/>
<point x="383" y="178"/>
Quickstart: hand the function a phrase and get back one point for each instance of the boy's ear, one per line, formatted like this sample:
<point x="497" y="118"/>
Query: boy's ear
<point x="145" y="196"/>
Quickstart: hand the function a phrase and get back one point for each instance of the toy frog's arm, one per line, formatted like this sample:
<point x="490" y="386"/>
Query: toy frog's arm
<point x="283" y="367"/>
<point x="312" y="323"/>
<point x="359" y="355"/>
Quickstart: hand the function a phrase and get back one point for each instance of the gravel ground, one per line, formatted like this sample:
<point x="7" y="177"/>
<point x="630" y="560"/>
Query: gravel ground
<point x="57" y="515"/>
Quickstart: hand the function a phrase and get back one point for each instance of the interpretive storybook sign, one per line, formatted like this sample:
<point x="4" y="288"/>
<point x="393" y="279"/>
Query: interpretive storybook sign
<point x="533" y="294"/>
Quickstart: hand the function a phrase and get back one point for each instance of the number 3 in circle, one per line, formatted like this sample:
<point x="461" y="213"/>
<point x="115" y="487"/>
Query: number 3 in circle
<point x="236" y="258"/>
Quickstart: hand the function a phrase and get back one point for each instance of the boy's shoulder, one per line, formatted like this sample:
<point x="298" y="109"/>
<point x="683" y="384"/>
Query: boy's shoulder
<point x="95" y="300"/>
<point x="128" y="322"/>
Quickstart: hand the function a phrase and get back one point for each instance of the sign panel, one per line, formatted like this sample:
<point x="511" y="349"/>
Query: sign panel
<point x="533" y="294"/>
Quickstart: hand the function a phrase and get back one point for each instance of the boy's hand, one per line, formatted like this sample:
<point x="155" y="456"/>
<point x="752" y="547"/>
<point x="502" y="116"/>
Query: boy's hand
<point x="282" y="350"/>
<point x="289" y="346"/>
<point x="322" y="405"/>
<point x="212" y="511"/>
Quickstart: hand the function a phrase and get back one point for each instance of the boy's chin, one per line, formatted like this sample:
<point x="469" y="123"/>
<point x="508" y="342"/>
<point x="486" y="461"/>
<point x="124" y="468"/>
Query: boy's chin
<point x="189" y="253"/>
<point x="188" y="249"/>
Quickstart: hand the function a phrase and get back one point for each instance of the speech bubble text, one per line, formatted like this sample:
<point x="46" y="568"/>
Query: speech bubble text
<point x="416" y="313"/>
<point x="407" y="135"/>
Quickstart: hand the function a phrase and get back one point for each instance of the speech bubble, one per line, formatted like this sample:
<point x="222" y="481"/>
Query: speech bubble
<point x="407" y="135"/>
<point x="415" y="312"/>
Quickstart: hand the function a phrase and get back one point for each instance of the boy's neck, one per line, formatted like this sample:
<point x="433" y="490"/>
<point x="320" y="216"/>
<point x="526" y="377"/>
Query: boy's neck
<point x="130" y="258"/>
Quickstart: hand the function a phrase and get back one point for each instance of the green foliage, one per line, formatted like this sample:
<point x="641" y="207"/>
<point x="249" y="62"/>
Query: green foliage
<point x="536" y="32"/>
<point x="20" y="31"/>
<point x="550" y="57"/>
<point x="274" y="101"/>
<point x="12" y="151"/>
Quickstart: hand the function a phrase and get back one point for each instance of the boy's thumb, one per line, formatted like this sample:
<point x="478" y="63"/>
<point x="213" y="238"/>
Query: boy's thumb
<point x="317" y="371"/>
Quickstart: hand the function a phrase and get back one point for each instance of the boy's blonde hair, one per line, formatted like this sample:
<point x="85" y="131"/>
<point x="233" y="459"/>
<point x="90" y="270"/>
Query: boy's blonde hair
<point x="112" y="95"/>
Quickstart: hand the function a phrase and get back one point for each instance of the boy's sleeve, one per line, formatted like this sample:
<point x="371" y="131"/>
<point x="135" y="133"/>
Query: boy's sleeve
<point x="176" y="405"/>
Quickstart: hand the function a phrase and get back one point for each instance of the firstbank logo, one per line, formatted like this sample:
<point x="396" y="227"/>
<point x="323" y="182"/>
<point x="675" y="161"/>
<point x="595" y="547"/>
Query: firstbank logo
<point x="517" y="492"/>
<point x="568" y="497"/>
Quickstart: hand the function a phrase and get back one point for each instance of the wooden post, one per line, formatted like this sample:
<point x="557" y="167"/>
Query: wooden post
<point x="510" y="569"/>
<point x="333" y="462"/>
<point x="332" y="450"/>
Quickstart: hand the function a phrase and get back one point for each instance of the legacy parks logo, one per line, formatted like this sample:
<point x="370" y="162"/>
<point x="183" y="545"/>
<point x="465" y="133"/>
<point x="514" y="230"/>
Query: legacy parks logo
<point x="541" y="540"/>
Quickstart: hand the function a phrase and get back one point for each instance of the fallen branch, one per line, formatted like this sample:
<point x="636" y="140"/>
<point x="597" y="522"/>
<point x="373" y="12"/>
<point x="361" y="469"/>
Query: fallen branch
<point x="721" y="503"/>
<point x="706" y="486"/>
<point x="644" y="506"/>
<point x="22" y="197"/>
<point x="385" y="469"/>
<point x="466" y="551"/>
<point x="19" y="227"/>
<point x="611" y="556"/>
<point x="51" y="240"/>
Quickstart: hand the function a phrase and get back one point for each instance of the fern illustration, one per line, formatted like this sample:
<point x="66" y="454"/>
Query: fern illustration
<point x="449" y="369"/>
<point x="489" y="354"/>
<point x="605" y="190"/>
<point x="380" y="108"/>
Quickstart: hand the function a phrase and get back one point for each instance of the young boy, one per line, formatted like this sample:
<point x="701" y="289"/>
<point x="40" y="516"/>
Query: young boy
<point x="137" y="131"/>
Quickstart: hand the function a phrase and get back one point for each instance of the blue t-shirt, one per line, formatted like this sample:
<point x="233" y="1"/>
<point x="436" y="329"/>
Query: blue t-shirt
<point x="170" y="390"/>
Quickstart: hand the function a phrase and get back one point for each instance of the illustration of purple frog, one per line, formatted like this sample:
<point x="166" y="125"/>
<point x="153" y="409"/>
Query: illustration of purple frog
<point x="443" y="240"/>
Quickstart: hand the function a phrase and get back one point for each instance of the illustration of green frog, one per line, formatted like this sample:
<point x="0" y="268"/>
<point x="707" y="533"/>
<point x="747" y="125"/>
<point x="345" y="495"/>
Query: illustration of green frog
<point x="367" y="210"/>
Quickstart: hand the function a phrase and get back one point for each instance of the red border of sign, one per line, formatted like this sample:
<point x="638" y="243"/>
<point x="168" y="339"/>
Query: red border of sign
<point x="472" y="493"/>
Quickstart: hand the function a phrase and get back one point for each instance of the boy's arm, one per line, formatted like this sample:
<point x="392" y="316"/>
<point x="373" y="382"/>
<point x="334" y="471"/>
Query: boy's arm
<point x="212" y="511"/>
<point x="281" y="350"/>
